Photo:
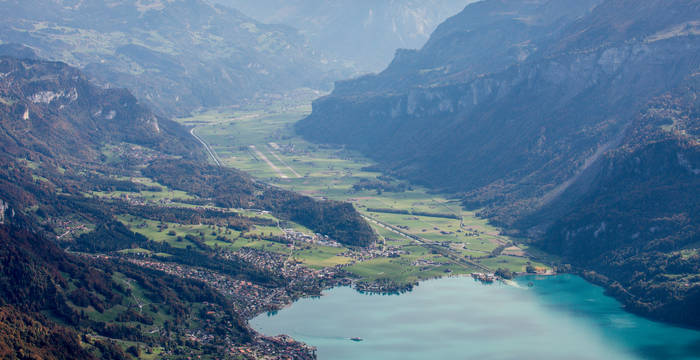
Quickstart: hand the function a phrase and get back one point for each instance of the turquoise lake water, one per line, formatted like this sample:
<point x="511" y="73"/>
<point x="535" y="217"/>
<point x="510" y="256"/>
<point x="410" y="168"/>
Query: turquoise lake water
<point x="560" y="317"/>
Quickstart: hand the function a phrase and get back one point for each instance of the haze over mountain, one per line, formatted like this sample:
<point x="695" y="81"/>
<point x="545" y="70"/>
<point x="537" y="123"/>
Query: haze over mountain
<point x="177" y="55"/>
<point x="364" y="32"/>
<point x="572" y="121"/>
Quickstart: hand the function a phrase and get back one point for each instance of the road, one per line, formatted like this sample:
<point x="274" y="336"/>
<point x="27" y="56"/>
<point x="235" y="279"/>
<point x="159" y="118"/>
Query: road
<point x="210" y="151"/>
<point x="446" y="252"/>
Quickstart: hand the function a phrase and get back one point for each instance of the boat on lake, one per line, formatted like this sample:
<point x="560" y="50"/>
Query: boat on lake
<point x="356" y="339"/>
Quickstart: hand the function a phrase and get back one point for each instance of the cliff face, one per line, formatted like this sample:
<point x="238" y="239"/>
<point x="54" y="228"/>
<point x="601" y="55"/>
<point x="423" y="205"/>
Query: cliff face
<point x="53" y="109"/>
<point x="559" y="127"/>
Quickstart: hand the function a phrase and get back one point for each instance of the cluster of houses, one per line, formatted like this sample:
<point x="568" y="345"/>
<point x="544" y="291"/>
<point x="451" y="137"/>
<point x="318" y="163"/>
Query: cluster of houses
<point x="249" y="299"/>
<point x="316" y="239"/>
<point x="67" y="228"/>
<point x="130" y="151"/>
<point x="300" y="278"/>
<point x="370" y="253"/>
<point x="283" y="347"/>
<point x="485" y="277"/>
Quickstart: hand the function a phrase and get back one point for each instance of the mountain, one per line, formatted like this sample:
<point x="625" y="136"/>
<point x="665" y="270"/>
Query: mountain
<point x="636" y="222"/>
<point x="71" y="286"/>
<point x="176" y="55"/>
<point x="573" y="123"/>
<point x="53" y="109"/>
<point x="50" y="113"/>
<point x="55" y="127"/>
<point x="364" y="32"/>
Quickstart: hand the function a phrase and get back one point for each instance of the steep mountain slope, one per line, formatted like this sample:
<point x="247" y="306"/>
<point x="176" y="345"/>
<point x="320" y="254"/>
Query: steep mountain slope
<point x="451" y="125"/>
<point x="636" y="222"/>
<point x="177" y="55"/>
<point x="364" y="32"/>
<point x="53" y="109"/>
<point x="569" y="122"/>
<point x="525" y="130"/>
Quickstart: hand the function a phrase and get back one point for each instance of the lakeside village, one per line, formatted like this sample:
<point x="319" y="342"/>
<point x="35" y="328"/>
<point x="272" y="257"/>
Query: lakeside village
<point x="250" y="299"/>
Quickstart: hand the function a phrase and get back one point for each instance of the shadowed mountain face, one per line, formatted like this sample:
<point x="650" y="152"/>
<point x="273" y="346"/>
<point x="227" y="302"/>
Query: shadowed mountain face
<point x="573" y="122"/>
<point x="365" y="32"/>
<point x="176" y="55"/>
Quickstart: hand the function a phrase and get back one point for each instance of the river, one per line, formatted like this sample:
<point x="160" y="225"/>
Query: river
<point x="558" y="317"/>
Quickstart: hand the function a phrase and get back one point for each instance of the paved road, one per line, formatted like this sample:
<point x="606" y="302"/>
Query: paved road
<point x="210" y="151"/>
<point x="446" y="252"/>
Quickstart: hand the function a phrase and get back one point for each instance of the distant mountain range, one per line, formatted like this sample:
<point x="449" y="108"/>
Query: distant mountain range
<point x="366" y="33"/>
<point x="574" y="123"/>
<point x="177" y="55"/>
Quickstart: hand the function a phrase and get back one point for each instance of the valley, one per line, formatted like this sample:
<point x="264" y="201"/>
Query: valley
<point x="422" y="235"/>
<point x="221" y="179"/>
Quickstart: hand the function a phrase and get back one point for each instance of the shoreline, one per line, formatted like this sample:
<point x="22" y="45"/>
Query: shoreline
<point x="585" y="275"/>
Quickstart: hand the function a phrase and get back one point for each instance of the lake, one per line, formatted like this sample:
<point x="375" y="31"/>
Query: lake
<point x="559" y="317"/>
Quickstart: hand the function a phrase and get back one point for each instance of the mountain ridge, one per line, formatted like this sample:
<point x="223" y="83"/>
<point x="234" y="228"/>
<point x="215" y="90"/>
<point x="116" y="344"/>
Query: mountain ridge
<point x="70" y="258"/>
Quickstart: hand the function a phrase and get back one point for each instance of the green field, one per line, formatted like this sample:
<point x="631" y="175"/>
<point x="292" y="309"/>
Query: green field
<point x="164" y="194"/>
<point x="264" y="144"/>
<point x="313" y="255"/>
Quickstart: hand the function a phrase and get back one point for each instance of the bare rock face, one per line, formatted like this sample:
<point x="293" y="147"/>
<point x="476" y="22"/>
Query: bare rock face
<point x="527" y="128"/>
<point x="54" y="107"/>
